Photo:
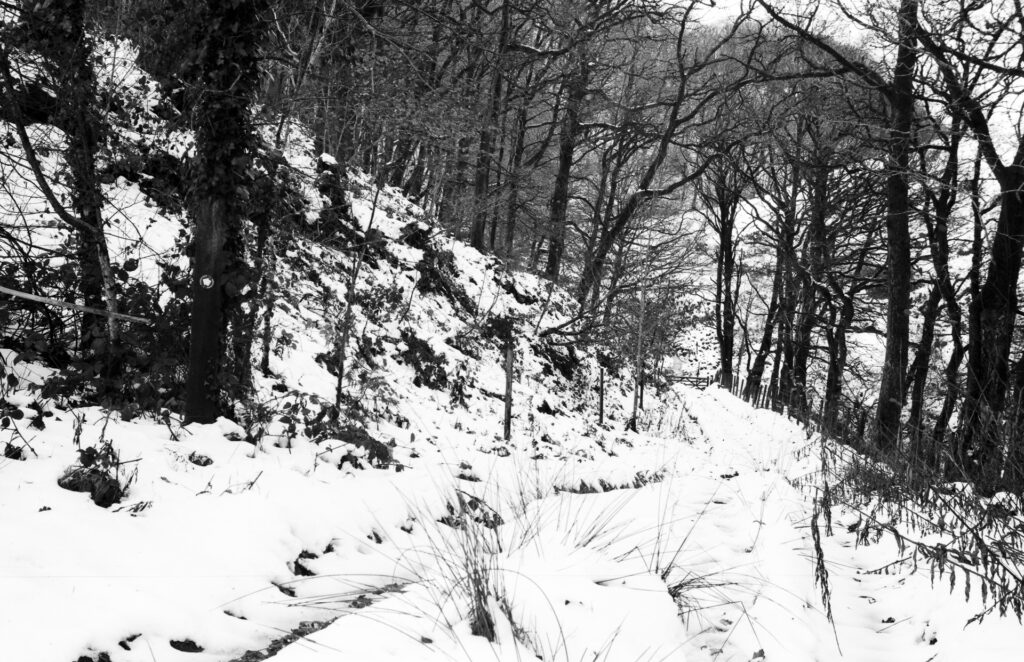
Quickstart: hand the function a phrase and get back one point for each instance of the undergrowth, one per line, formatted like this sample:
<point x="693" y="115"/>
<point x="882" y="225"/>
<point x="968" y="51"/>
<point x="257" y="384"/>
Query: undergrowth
<point x="945" y="528"/>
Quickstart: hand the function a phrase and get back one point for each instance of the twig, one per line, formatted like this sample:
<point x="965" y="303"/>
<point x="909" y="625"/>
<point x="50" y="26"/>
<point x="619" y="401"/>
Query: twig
<point x="253" y="481"/>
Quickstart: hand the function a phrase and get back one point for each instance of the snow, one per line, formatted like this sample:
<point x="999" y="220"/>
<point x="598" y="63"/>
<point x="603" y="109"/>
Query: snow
<point x="194" y="550"/>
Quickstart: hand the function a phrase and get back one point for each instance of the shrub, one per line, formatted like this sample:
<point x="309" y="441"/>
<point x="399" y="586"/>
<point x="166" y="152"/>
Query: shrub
<point x="99" y="472"/>
<point x="562" y="360"/>
<point x="438" y="273"/>
<point x="958" y="534"/>
<point x="429" y="366"/>
<point x="376" y="452"/>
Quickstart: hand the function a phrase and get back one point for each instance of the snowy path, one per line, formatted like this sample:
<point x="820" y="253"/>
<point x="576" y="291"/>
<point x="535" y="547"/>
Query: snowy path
<point x="894" y="617"/>
<point x="736" y="531"/>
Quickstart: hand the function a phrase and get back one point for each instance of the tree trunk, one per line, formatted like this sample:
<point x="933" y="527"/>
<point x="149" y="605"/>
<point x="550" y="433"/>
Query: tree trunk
<point x="568" y="135"/>
<point x="516" y="158"/>
<point x="775" y="384"/>
<point x="613" y="283"/>
<point x="509" y="371"/>
<point x="229" y="76"/>
<point x="500" y="182"/>
<point x="453" y="196"/>
<point x="837" y="352"/>
<point x="1014" y="479"/>
<point x="638" y="363"/>
<point x="399" y="162"/>
<point x="813" y="274"/>
<point x="756" y="371"/>
<point x="597" y="226"/>
<point x="725" y="310"/>
<point x="782" y="369"/>
<point x="485" y="155"/>
<point x="918" y="374"/>
<point x="268" y="300"/>
<point x="98" y="284"/>
<point x="206" y="346"/>
<point x="800" y="355"/>
<point x="743" y="322"/>
<point x="594" y="260"/>
<point x="988" y="372"/>
<point x="59" y="31"/>
<point x="897" y="224"/>
<point x="939" y="241"/>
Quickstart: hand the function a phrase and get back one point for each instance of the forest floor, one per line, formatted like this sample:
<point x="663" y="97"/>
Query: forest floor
<point x="688" y="542"/>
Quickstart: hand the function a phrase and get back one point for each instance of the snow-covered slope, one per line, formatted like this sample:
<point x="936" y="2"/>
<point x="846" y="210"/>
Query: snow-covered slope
<point x="224" y="537"/>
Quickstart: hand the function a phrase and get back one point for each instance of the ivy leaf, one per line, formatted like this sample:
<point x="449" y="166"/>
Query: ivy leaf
<point x="87" y="456"/>
<point x="67" y="274"/>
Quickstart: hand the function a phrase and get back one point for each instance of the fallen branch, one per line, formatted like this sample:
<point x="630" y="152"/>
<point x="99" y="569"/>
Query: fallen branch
<point x="73" y="306"/>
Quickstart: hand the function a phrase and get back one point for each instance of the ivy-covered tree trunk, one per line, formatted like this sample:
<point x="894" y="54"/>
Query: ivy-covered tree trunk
<point x="228" y="72"/>
<point x="98" y="283"/>
<point x="57" y="32"/>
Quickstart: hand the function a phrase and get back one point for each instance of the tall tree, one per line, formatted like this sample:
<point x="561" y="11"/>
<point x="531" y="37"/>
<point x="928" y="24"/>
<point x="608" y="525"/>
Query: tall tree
<point x="897" y="225"/>
<point x="993" y="310"/>
<point x="721" y="191"/>
<point x="228" y="77"/>
<point x="899" y="92"/>
<point x="57" y="32"/>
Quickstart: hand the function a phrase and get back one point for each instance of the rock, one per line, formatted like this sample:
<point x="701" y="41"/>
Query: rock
<point x="100" y="657"/>
<point x="104" y="488"/>
<point x="186" y="646"/>
<point x="232" y="431"/>
<point x="199" y="459"/>
<point x="378" y="453"/>
<point x="299" y="569"/>
<point x="545" y="408"/>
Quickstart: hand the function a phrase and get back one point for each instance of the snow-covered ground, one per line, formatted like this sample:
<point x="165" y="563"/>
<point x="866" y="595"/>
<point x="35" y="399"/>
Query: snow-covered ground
<point x="706" y="556"/>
